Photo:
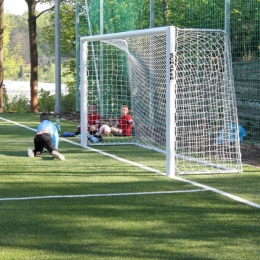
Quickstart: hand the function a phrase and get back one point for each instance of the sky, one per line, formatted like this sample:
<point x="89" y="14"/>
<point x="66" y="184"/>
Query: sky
<point x="20" y="6"/>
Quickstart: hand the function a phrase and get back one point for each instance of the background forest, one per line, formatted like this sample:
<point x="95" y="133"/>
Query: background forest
<point x="17" y="27"/>
<point x="120" y="16"/>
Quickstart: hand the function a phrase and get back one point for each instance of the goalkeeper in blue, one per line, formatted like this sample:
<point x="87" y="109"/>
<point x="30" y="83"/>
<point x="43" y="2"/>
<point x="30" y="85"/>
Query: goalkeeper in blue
<point x="46" y="137"/>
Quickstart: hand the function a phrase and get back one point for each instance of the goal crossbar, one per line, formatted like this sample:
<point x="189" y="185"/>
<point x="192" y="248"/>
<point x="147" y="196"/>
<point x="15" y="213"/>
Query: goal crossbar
<point x="178" y="84"/>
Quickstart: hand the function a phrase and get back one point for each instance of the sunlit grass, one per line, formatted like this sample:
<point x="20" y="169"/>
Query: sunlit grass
<point x="194" y="225"/>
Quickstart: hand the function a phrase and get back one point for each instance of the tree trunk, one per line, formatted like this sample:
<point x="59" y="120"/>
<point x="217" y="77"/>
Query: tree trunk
<point x="1" y="55"/>
<point x="33" y="54"/>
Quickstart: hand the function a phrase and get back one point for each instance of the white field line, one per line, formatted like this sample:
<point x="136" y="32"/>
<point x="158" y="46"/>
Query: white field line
<point x="16" y="141"/>
<point x="223" y="193"/>
<point x="100" y="195"/>
<point x="15" y="123"/>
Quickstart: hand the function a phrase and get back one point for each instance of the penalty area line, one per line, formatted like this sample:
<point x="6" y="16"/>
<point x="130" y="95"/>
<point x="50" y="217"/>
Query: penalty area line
<point x="101" y="195"/>
<point x="223" y="193"/>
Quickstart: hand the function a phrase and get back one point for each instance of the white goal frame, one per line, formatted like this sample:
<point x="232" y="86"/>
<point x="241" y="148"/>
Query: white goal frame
<point x="170" y="85"/>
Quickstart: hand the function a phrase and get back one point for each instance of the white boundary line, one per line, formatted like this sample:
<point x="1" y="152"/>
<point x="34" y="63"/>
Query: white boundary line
<point x="101" y="195"/>
<point x="15" y="123"/>
<point x="14" y="141"/>
<point x="223" y="193"/>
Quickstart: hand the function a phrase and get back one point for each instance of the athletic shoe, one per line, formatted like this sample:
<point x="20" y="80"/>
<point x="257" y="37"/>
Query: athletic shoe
<point x="58" y="155"/>
<point x="30" y="152"/>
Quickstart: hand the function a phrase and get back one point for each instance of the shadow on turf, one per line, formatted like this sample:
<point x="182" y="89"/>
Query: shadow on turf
<point x="133" y="227"/>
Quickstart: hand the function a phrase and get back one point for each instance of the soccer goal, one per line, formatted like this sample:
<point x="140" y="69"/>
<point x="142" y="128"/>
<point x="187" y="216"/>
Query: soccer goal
<point x="178" y="86"/>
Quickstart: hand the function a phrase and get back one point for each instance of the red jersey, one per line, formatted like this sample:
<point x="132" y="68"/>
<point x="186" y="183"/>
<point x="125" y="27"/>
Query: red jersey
<point x="94" y="119"/>
<point x="125" y="123"/>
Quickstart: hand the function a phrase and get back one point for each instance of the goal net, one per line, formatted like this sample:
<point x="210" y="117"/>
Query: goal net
<point x="178" y="86"/>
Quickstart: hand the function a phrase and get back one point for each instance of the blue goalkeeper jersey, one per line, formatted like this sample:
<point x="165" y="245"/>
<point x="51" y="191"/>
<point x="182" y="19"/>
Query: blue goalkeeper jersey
<point x="47" y="125"/>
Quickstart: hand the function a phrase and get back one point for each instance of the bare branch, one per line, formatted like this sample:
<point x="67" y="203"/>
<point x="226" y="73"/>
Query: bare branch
<point x="47" y="10"/>
<point x="44" y="11"/>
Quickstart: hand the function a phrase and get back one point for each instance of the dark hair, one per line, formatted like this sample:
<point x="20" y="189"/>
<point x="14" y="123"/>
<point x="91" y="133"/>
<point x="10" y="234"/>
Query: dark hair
<point x="44" y="116"/>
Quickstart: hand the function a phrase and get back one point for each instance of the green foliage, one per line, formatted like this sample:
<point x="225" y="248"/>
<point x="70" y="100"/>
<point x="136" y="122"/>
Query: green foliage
<point x="46" y="101"/>
<point x="69" y="101"/>
<point x="45" y="51"/>
<point x="12" y="61"/>
<point x="46" y="73"/>
<point x="19" y="34"/>
<point x="68" y="72"/>
<point x="21" y="104"/>
<point x="67" y="39"/>
<point x="68" y="78"/>
<point x="18" y="104"/>
<point x="119" y="15"/>
<point x="19" y="37"/>
<point x="67" y="42"/>
<point x="5" y="100"/>
<point x="246" y="34"/>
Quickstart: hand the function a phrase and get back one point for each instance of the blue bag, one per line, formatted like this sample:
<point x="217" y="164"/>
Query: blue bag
<point x="229" y="134"/>
<point x="68" y="134"/>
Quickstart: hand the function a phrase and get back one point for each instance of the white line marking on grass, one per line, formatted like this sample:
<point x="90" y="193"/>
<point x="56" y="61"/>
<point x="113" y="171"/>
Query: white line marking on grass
<point x="231" y="196"/>
<point x="15" y="141"/>
<point x="223" y="193"/>
<point x="24" y="126"/>
<point x="101" y="195"/>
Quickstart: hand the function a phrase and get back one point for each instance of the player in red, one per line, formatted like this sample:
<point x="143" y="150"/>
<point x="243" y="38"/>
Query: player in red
<point x="94" y="120"/>
<point x="124" y="123"/>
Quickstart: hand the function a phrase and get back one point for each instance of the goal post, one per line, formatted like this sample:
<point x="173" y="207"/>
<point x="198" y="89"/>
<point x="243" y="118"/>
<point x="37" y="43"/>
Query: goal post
<point x="178" y="86"/>
<point x="170" y="101"/>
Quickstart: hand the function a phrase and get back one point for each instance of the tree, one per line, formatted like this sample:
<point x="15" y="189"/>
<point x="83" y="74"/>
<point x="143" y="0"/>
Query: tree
<point x="33" y="54"/>
<point x="1" y="53"/>
<point x="32" y="17"/>
<point x="20" y="34"/>
<point x="67" y="40"/>
<point x="12" y="60"/>
<point x="9" y="59"/>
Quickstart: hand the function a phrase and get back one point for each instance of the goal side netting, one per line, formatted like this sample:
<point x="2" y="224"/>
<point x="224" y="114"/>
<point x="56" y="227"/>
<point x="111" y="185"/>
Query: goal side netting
<point x="178" y="86"/>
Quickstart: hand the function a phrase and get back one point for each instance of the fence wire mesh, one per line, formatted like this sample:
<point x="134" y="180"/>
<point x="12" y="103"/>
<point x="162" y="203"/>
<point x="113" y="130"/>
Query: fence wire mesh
<point x="121" y="15"/>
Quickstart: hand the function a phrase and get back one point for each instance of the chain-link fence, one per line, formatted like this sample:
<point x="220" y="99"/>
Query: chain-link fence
<point x="243" y="19"/>
<point x="245" y="41"/>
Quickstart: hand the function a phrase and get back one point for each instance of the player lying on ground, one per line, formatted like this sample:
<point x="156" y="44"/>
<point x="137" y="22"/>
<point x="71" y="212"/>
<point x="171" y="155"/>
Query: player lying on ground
<point x="46" y="137"/>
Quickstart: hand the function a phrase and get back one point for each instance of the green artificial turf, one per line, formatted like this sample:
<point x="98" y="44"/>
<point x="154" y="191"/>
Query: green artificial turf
<point x="95" y="207"/>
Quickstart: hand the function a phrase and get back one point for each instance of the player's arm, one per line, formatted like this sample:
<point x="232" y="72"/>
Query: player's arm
<point x="98" y="122"/>
<point x="130" y="120"/>
<point x="55" y="137"/>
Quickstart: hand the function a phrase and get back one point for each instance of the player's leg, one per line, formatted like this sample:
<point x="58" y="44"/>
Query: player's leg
<point x="48" y="144"/>
<point x="116" y="130"/>
<point x="30" y="152"/>
<point x="58" y="155"/>
<point x="38" y="147"/>
<point x="92" y="129"/>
